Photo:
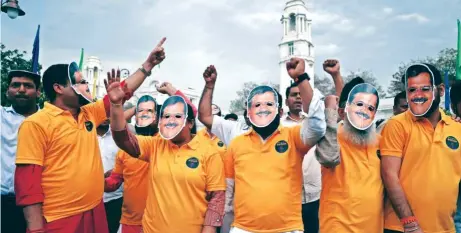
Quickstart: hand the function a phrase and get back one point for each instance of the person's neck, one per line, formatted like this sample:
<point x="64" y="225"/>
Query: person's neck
<point x="60" y="104"/>
<point x="183" y="142"/>
<point x="26" y="111"/>
<point x="434" y="118"/>
<point x="295" y="115"/>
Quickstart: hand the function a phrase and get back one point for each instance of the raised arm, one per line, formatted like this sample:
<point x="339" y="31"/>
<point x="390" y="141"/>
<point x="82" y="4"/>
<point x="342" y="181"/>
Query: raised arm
<point x="327" y="150"/>
<point x="168" y="89"/>
<point x="205" y="114"/>
<point x="391" y="146"/>
<point x="332" y="67"/>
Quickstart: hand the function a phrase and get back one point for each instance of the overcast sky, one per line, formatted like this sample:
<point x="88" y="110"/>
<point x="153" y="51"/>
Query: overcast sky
<point x="240" y="37"/>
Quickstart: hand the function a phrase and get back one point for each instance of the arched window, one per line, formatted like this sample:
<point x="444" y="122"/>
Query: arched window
<point x="292" y="22"/>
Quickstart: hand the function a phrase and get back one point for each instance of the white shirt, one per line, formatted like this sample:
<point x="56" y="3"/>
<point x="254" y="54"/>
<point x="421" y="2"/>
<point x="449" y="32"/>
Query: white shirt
<point x="108" y="153"/>
<point x="11" y="120"/>
<point x="227" y="130"/>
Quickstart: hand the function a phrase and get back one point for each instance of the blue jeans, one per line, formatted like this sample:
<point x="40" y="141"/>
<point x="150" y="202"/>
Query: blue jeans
<point x="458" y="214"/>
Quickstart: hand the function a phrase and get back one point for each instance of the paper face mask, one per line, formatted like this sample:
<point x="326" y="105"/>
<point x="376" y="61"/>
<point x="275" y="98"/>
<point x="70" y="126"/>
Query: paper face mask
<point x="215" y="110"/>
<point x="78" y="84"/>
<point x="146" y="111"/>
<point x="419" y="86"/>
<point x="362" y="105"/>
<point x="173" y="116"/>
<point x="262" y="106"/>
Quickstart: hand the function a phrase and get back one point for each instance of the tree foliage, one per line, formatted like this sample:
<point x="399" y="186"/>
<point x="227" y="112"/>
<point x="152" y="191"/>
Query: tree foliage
<point x="324" y="85"/>
<point x="445" y="61"/>
<point x="238" y="104"/>
<point x="14" y="60"/>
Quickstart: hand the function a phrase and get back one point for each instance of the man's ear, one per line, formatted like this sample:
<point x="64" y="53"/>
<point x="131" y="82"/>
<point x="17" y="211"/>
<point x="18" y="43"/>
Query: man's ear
<point x="57" y="88"/>
<point x="280" y="112"/>
<point x="441" y="89"/>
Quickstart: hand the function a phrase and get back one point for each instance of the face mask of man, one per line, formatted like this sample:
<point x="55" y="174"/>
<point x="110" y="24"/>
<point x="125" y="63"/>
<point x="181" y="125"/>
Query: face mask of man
<point x="146" y="116"/>
<point x="421" y="91"/>
<point x="262" y="110"/>
<point x="79" y="85"/>
<point x="173" y="116"/>
<point x="362" y="106"/>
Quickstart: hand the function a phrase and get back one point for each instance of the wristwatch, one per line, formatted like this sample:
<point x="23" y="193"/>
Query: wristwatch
<point x="145" y="72"/>
<point x="302" y="77"/>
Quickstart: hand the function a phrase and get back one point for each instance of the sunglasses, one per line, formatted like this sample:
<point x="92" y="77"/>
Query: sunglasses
<point x="361" y="104"/>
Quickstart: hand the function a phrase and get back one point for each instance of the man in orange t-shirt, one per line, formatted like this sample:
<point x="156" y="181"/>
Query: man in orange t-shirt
<point x="421" y="159"/>
<point x="352" y="190"/>
<point x="58" y="153"/>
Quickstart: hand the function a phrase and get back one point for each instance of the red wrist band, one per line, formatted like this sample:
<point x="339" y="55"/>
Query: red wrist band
<point x="408" y="220"/>
<point x="41" y="230"/>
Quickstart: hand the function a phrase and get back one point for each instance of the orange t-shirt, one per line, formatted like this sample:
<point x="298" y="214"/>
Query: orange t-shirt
<point x="215" y="141"/>
<point x="69" y="153"/>
<point x="268" y="180"/>
<point x="135" y="176"/>
<point x="352" y="192"/>
<point x="430" y="172"/>
<point x="178" y="182"/>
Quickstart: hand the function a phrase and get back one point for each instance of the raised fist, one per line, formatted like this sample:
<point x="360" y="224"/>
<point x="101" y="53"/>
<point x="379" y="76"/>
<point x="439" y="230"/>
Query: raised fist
<point x="210" y="75"/>
<point x="332" y="67"/>
<point x="331" y="102"/>
<point x="296" y="67"/>
<point x="156" y="56"/>
<point x="166" y="88"/>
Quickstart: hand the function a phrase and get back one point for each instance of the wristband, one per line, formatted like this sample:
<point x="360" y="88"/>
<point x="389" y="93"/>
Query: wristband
<point x="302" y="77"/>
<point x="145" y="72"/>
<point x="408" y="220"/>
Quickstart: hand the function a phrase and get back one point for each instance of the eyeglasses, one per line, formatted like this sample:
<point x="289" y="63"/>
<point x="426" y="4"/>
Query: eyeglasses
<point x="422" y="89"/>
<point x="175" y="115"/>
<point x="361" y="104"/>
<point x="267" y="104"/>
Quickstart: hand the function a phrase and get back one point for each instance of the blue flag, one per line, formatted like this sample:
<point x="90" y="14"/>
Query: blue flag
<point x="447" y="92"/>
<point x="35" y="51"/>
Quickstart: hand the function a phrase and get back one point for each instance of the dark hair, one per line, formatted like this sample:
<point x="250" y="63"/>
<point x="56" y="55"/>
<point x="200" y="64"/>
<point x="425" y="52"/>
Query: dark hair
<point x="191" y="119"/>
<point x="347" y="88"/>
<point x="54" y="74"/>
<point x="399" y="96"/>
<point x="261" y="90"/>
<point x="231" y="116"/>
<point x="34" y="78"/>
<point x="174" y="100"/>
<point x="279" y="98"/>
<point x="415" y="70"/>
<point x="288" y="90"/>
<point x="364" y="88"/>
<point x="455" y="92"/>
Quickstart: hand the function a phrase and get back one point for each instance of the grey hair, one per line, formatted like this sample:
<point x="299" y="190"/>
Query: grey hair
<point x="261" y="90"/>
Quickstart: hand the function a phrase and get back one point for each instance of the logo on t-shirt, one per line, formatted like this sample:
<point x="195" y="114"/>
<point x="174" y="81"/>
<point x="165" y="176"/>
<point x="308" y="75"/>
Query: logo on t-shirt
<point x="192" y="162"/>
<point x="281" y="146"/>
<point x="220" y="144"/>
<point x="89" y="126"/>
<point x="452" y="142"/>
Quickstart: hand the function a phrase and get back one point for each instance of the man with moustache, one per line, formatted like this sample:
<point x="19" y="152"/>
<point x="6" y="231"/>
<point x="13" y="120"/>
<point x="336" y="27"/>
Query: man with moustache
<point x="421" y="158"/>
<point x="23" y="92"/>
<point x="225" y="130"/>
<point x="272" y="165"/>
<point x="400" y="106"/>
<point x="54" y="189"/>
<point x="352" y="190"/>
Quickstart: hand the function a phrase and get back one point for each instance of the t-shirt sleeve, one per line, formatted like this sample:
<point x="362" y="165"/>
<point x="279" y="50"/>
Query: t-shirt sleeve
<point x="215" y="179"/>
<point x="297" y="141"/>
<point x="97" y="111"/>
<point x="146" y="146"/>
<point x="118" y="168"/>
<point x="229" y="163"/>
<point x="31" y="148"/>
<point x="393" y="139"/>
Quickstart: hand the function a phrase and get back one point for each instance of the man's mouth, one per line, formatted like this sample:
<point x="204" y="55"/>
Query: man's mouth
<point x="171" y="125"/>
<point x="363" y="115"/>
<point x="299" y="103"/>
<point x="419" y="100"/>
<point x="21" y="97"/>
<point x="263" y="113"/>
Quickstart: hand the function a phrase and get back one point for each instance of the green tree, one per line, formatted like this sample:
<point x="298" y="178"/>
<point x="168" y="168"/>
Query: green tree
<point x="14" y="60"/>
<point x="324" y="85"/>
<point x="445" y="61"/>
<point x="238" y="104"/>
<point x="369" y="77"/>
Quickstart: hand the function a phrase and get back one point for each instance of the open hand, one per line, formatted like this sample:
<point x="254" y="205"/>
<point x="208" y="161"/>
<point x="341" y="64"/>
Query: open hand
<point x="210" y="75"/>
<point x="114" y="90"/>
<point x="332" y="67"/>
<point x="156" y="56"/>
<point x="166" y="88"/>
<point x="296" y="67"/>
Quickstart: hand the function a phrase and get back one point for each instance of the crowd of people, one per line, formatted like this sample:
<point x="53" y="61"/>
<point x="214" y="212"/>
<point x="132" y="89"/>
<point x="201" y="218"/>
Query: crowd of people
<point x="327" y="165"/>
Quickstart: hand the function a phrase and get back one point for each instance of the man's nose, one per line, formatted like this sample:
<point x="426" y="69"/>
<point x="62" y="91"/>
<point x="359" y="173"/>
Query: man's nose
<point x="22" y="88"/>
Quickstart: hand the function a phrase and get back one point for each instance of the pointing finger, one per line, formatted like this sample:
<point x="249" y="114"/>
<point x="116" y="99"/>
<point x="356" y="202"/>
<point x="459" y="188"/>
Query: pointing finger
<point x="161" y="42"/>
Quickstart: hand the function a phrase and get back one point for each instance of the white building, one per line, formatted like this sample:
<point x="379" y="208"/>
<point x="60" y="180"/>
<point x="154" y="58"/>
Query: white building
<point x="296" y="40"/>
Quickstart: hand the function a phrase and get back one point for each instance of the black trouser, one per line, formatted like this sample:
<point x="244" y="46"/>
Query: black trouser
<point x="113" y="214"/>
<point x="12" y="216"/>
<point x="391" y="231"/>
<point x="310" y="213"/>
